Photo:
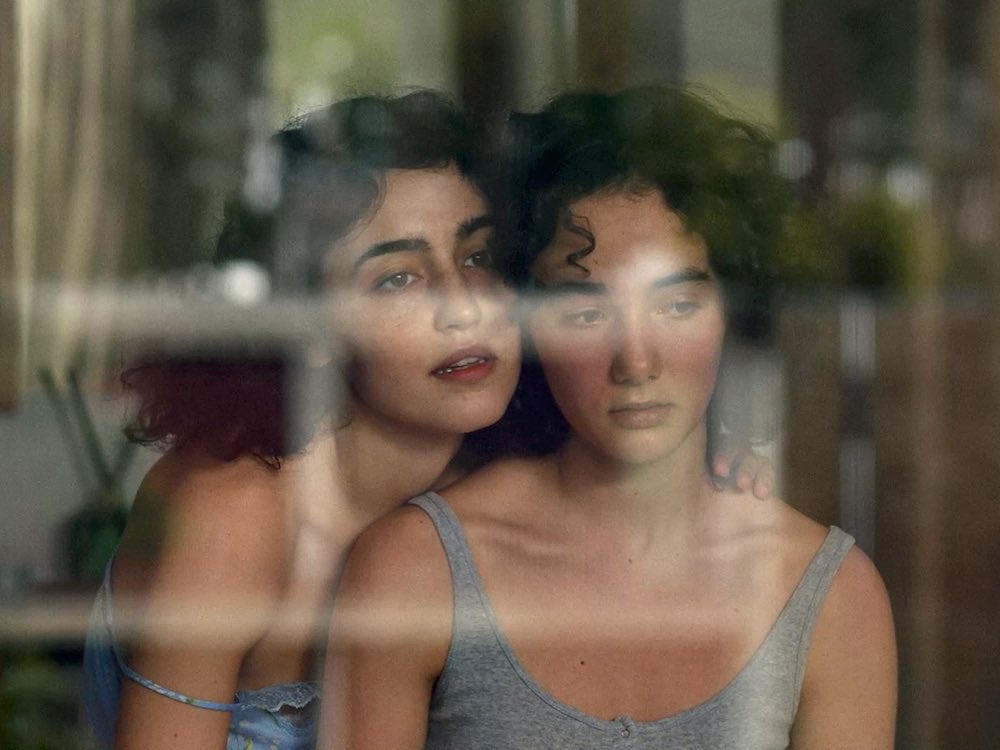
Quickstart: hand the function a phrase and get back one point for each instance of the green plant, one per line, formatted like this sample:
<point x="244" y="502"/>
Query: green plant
<point x="92" y="532"/>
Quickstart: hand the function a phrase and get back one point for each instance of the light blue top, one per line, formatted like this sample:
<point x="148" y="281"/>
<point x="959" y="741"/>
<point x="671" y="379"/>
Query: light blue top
<point x="485" y="698"/>
<point x="265" y="719"/>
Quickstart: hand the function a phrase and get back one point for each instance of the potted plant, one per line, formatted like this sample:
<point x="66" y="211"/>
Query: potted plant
<point x="92" y="532"/>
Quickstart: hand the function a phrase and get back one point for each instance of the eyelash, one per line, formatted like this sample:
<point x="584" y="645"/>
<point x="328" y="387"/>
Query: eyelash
<point x="592" y="316"/>
<point x="579" y="319"/>
<point x="688" y="307"/>
<point x="386" y="286"/>
<point x="485" y="253"/>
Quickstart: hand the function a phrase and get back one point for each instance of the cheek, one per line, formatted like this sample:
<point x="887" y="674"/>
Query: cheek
<point x="694" y="356"/>
<point x="384" y="355"/>
<point x="576" y="369"/>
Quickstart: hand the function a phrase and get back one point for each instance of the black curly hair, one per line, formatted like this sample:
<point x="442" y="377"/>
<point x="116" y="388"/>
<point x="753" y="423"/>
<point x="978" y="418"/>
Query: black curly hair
<point x="714" y="170"/>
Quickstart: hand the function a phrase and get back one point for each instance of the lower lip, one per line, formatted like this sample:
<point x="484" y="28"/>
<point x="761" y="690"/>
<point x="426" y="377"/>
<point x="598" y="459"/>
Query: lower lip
<point x="640" y="419"/>
<point x="468" y="375"/>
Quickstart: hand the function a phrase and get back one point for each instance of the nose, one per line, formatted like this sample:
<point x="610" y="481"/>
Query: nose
<point x="636" y="358"/>
<point x="457" y="306"/>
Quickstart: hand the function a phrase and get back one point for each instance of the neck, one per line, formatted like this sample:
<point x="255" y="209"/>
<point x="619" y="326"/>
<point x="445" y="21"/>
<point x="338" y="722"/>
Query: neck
<point x="644" y="501"/>
<point x="383" y="463"/>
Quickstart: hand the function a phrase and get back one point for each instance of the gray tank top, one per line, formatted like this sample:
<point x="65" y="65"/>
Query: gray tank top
<point x="485" y="699"/>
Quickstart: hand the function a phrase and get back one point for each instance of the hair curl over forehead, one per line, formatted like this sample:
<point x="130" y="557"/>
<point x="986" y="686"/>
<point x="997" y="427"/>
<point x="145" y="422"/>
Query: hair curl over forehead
<point x="714" y="170"/>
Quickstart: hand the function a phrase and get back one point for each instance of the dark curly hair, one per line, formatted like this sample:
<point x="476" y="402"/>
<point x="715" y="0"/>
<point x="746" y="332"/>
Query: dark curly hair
<point x="332" y="164"/>
<point x="714" y="170"/>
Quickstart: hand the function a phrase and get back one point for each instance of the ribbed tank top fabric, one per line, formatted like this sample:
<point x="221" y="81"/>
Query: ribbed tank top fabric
<point x="485" y="698"/>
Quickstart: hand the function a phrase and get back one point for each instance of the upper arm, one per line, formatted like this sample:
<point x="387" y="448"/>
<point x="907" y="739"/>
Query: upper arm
<point x="389" y="636"/>
<point x="189" y="611"/>
<point x="849" y="691"/>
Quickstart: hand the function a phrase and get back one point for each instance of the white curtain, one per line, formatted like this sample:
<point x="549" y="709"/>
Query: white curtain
<point x="69" y="124"/>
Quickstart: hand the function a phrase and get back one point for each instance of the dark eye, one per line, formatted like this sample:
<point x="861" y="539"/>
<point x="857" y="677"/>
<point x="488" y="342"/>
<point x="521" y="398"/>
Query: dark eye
<point x="396" y="282"/>
<point x="584" y="318"/>
<point x="678" y="308"/>
<point x="683" y="307"/>
<point x="480" y="259"/>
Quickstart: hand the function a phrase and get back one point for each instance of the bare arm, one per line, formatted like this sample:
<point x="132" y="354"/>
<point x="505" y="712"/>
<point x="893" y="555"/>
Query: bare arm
<point x="849" y="693"/>
<point x="192" y="600"/>
<point x="389" y="637"/>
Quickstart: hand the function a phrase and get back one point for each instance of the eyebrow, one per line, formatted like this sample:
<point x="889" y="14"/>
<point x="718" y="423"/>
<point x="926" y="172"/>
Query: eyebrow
<point x="691" y="274"/>
<point x="417" y="244"/>
<point x="402" y="245"/>
<point x="470" y="226"/>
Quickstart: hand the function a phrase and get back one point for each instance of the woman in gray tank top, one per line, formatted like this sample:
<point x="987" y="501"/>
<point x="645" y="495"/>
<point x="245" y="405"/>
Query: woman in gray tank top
<point x="606" y="592"/>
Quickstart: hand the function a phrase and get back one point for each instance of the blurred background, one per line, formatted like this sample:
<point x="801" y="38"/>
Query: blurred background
<point x="125" y="123"/>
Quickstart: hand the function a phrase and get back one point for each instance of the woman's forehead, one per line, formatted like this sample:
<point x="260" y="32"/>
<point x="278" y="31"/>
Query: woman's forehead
<point x="430" y="206"/>
<point x="620" y="234"/>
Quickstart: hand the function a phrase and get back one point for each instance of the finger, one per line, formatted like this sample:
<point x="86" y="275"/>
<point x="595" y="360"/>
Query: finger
<point x="763" y="484"/>
<point x="722" y="464"/>
<point x="745" y="478"/>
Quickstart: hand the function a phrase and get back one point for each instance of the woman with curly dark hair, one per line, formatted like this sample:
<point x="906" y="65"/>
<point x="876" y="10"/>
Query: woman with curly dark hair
<point x="235" y="539"/>
<point x="608" y="592"/>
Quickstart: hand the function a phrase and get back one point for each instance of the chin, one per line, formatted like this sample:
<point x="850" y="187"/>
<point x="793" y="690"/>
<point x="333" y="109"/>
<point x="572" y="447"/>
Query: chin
<point x="485" y="417"/>
<point x="468" y="417"/>
<point x="640" y="450"/>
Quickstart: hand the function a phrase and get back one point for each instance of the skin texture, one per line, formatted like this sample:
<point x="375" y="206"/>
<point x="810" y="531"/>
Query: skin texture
<point x="624" y="579"/>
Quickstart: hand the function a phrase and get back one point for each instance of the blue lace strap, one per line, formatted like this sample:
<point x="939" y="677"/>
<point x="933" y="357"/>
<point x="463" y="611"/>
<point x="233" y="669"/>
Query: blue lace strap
<point x="173" y="694"/>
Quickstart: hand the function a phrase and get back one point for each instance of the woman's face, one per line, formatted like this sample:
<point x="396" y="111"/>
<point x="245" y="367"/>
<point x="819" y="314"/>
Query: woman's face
<point x="630" y="346"/>
<point x="424" y="313"/>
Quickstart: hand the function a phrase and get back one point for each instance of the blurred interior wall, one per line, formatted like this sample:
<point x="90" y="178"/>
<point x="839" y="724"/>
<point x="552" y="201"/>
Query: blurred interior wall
<point x="544" y="53"/>
<point x="319" y="51"/>
<point x="11" y="307"/>
<point x="734" y="48"/>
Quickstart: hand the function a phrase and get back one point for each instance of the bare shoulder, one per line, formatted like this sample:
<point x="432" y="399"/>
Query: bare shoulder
<point x="849" y="690"/>
<point x="396" y="590"/>
<point x="401" y="548"/>
<point x="848" y="693"/>
<point x="857" y="602"/>
<point x="498" y="488"/>
<point x="201" y="529"/>
<point x="799" y="538"/>
<point x="191" y="482"/>
<point x="771" y="529"/>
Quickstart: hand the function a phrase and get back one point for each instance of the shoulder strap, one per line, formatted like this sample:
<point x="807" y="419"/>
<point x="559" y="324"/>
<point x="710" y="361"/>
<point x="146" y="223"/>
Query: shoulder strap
<point x="809" y="595"/>
<point x="456" y="547"/>
<point x="107" y="610"/>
